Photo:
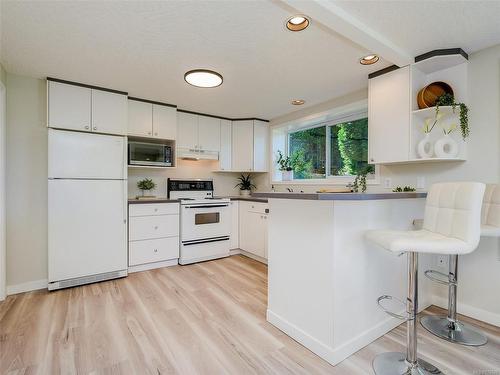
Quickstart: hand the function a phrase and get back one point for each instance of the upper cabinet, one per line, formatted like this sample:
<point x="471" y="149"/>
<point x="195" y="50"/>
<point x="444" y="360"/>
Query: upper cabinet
<point x="399" y="129"/>
<point x="389" y="116"/>
<point x="250" y="146"/>
<point x="225" y="145"/>
<point x="146" y="119"/>
<point x="87" y="109"/>
<point x="198" y="136"/>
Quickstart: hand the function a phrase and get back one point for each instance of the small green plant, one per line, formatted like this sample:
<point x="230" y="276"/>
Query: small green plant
<point x="284" y="162"/>
<point x="146" y="184"/>
<point x="400" y="189"/>
<point x="448" y="99"/>
<point x="359" y="182"/>
<point x="245" y="183"/>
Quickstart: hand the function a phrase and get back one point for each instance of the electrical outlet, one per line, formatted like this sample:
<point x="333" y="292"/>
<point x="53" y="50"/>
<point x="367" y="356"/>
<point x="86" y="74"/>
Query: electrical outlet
<point x="442" y="263"/>
<point x="421" y="182"/>
<point x="387" y="183"/>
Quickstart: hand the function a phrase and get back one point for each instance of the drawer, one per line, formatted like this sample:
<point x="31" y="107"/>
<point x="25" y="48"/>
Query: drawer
<point x="149" y="251"/>
<point x="149" y="227"/>
<point x="258" y="207"/>
<point x="148" y="209"/>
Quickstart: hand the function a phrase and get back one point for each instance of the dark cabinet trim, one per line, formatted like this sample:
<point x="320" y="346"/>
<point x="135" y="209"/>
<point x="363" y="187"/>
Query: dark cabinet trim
<point x="222" y="118"/>
<point x="442" y="52"/>
<point x="151" y="102"/>
<point x="383" y="71"/>
<point x="85" y="85"/>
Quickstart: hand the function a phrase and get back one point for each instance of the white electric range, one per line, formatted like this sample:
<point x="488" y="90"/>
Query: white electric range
<point x="205" y="220"/>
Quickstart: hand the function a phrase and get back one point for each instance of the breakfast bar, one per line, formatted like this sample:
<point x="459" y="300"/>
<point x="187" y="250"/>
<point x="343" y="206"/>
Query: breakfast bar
<point x="325" y="278"/>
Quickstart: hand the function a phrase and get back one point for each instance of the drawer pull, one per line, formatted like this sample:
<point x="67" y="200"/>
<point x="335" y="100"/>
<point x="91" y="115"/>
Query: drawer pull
<point x="156" y="227"/>
<point x="156" y="250"/>
<point x="156" y="210"/>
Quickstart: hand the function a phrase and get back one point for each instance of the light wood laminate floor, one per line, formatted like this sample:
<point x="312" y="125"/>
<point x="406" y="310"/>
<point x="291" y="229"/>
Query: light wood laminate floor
<point x="207" y="318"/>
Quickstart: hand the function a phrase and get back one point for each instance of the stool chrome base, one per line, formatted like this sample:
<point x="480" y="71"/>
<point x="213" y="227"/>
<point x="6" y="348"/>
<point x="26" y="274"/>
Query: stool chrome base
<point x="458" y="333"/>
<point x="394" y="363"/>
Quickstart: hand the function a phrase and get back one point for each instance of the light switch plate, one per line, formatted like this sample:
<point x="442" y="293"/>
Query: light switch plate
<point x="421" y="182"/>
<point x="387" y="183"/>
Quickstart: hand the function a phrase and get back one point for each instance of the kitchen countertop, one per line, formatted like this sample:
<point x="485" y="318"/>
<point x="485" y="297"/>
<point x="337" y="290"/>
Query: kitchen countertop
<point x="166" y="200"/>
<point x="339" y="196"/>
<point x="251" y="198"/>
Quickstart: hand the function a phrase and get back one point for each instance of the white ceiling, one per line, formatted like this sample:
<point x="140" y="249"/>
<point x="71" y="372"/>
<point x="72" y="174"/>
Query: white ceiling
<point x="422" y="26"/>
<point x="145" y="47"/>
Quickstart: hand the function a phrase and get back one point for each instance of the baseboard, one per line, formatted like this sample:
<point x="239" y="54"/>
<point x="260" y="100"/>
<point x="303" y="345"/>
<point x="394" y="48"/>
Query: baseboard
<point x="470" y="311"/>
<point x="27" y="287"/>
<point x="152" y="266"/>
<point x="336" y="355"/>
<point x="247" y="254"/>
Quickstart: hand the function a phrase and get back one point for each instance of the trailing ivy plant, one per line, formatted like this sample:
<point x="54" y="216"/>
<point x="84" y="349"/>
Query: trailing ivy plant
<point x="448" y="99"/>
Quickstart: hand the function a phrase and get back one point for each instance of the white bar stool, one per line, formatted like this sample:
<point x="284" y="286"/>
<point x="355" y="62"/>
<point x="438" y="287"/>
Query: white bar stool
<point x="451" y="225"/>
<point x="449" y="328"/>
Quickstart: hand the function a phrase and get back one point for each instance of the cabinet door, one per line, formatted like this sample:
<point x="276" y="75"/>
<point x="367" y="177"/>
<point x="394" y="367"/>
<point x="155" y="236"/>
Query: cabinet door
<point x="252" y="231"/>
<point x="187" y="130"/>
<point x="389" y="117"/>
<point x="265" y="234"/>
<point x="242" y="146"/>
<point x="109" y="112"/>
<point x="225" y="145"/>
<point x="209" y="133"/>
<point x="140" y="118"/>
<point x="235" y="222"/>
<point x="260" y="146"/>
<point x="164" y="122"/>
<point x="69" y="106"/>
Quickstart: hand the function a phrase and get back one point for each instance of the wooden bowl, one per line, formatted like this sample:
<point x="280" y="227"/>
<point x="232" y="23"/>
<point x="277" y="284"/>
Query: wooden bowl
<point x="427" y="96"/>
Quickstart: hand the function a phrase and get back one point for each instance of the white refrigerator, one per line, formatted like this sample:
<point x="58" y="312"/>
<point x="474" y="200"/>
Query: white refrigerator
<point x="87" y="207"/>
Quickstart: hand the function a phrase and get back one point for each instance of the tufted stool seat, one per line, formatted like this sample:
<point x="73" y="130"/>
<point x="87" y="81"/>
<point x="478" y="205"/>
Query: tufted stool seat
<point x="448" y="327"/>
<point x="451" y="225"/>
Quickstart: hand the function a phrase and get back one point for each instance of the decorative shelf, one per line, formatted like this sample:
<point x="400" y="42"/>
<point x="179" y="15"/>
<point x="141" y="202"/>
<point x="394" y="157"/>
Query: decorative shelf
<point x="431" y="111"/>
<point x="425" y="160"/>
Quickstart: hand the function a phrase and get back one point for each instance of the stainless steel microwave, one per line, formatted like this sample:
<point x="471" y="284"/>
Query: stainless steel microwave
<point x="149" y="154"/>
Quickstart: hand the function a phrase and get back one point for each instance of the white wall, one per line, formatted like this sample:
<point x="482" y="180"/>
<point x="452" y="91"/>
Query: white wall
<point x="3" y="154"/>
<point x="26" y="180"/>
<point x="479" y="272"/>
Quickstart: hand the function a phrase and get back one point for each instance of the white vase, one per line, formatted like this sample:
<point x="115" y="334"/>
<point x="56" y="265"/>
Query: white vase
<point x="446" y="147"/>
<point x="424" y="147"/>
<point x="245" y="193"/>
<point x="287" y="175"/>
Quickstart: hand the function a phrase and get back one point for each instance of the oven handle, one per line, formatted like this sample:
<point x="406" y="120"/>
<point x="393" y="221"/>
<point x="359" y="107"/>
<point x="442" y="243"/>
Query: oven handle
<point x="209" y="206"/>
<point x="196" y="242"/>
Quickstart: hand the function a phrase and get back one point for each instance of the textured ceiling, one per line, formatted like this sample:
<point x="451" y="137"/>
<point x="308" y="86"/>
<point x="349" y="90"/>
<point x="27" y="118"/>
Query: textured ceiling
<point x="146" y="47"/>
<point x="422" y="26"/>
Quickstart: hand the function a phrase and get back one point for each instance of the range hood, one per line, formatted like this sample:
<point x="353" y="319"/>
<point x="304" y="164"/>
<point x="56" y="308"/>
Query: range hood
<point x="192" y="154"/>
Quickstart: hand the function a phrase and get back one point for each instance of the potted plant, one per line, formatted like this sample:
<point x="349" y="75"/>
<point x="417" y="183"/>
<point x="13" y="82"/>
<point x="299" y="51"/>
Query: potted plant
<point x="245" y="185"/>
<point x="285" y="166"/>
<point x="449" y="99"/>
<point x="146" y="185"/>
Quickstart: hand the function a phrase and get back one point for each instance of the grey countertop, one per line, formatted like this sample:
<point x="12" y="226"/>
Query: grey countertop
<point x="166" y="200"/>
<point x="339" y="196"/>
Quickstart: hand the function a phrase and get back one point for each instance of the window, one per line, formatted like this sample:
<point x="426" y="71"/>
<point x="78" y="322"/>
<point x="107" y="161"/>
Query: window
<point x="332" y="149"/>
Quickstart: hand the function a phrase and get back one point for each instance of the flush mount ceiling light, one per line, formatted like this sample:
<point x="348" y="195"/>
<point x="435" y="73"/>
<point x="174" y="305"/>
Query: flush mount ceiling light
<point x="297" y="23"/>
<point x="368" y="60"/>
<point x="203" y="78"/>
<point x="298" y="101"/>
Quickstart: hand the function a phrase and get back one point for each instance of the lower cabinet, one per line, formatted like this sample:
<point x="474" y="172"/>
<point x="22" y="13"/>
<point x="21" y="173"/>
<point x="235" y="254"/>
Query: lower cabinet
<point x="153" y="233"/>
<point x="253" y="228"/>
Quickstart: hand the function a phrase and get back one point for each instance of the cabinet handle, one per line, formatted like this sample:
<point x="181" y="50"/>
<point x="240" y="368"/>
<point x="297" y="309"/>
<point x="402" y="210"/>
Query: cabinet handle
<point x="86" y="127"/>
<point x="149" y="133"/>
<point x="156" y="134"/>
<point x="95" y="127"/>
<point x="371" y="159"/>
<point x="156" y="226"/>
<point x="156" y="250"/>
<point x="156" y="210"/>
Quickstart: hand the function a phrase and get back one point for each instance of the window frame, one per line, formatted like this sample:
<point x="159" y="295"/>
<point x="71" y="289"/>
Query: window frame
<point x="329" y="179"/>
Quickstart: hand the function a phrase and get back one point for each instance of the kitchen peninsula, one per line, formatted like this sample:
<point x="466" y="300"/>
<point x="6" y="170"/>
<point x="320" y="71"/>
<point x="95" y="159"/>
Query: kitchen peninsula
<point x="324" y="278"/>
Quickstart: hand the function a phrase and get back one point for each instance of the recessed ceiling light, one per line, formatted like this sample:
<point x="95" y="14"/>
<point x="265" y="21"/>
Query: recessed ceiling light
<point x="297" y="23"/>
<point x="298" y="101"/>
<point x="368" y="60"/>
<point x="203" y="78"/>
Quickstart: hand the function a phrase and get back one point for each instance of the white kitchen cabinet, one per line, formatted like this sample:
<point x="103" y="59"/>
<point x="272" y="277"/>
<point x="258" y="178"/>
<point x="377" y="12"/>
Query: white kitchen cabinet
<point x="208" y="133"/>
<point x="389" y="110"/>
<point x="235" y="222"/>
<point x="153" y="234"/>
<point x="140" y="118"/>
<point x="253" y="228"/>
<point x="164" y="122"/>
<point x="75" y="107"/>
<point x="109" y="112"/>
<point x="242" y="146"/>
<point x="225" y="145"/>
<point x="187" y="131"/>
<point x="150" y="120"/>
<point x="260" y="146"/>
<point x="69" y="106"/>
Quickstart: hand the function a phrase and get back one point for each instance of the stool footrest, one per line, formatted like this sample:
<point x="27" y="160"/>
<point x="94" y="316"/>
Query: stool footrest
<point x="389" y="312"/>
<point x="439" y="277"/>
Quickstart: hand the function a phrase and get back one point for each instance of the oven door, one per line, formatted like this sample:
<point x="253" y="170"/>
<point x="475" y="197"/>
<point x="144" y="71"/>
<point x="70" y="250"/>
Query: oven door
<point x="205" y="221"/>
